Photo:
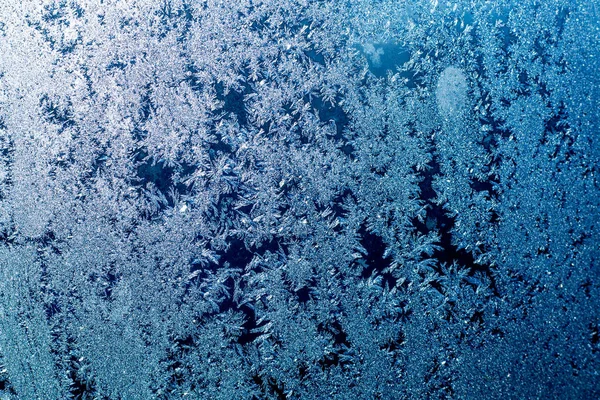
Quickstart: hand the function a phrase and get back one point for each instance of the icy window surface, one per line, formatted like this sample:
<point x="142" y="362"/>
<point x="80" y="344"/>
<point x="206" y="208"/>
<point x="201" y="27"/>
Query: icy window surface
<point x="299" y="199"/>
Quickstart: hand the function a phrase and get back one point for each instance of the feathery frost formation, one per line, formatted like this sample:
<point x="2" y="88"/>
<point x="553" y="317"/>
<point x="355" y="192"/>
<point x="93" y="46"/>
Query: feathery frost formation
<point x="298" y="199"/>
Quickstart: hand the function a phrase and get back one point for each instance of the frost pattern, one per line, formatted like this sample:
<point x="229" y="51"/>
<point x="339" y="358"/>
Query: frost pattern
<point x="299" y="199"/>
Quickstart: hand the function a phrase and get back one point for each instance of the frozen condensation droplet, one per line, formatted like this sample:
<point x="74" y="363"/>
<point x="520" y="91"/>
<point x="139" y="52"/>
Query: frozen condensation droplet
<point x="451" y="92"/>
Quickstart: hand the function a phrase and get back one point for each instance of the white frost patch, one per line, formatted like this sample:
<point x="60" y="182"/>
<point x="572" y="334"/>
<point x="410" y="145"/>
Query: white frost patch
<point x="183" y="208"/>
<point x="374" y="54"/>
<point x="451" y="93"/>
